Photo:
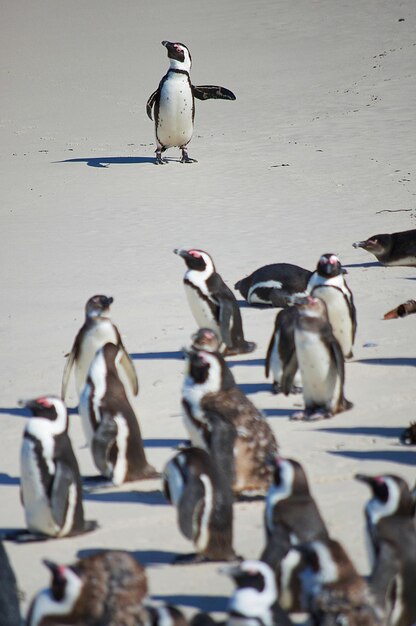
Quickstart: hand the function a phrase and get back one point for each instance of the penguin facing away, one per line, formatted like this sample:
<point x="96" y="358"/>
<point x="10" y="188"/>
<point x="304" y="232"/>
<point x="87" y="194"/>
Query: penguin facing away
<point x="109" y="421"/>
<point x="51" y="487"/>
<point x="96" y="331"/>
<point x="392" y="249"/>
<point x="321" y="362"/>
<point x="329" y="284"/>
<point x="274" y="284"/>
<point x="281" y="351"/>
<point x="198" y="484"/>
<point x="108" y="587"/>
<point x="212" y="303"/>
<point x="173" y="103"/>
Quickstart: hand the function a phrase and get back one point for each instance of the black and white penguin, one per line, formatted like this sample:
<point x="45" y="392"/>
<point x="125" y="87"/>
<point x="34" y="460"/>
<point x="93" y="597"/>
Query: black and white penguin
<point x="334" y="591"/>
<point x="210" y="386"/>
<point x="274" y="284"/>
<point x="320" y="360"/>
<point x="391" y="531"/>
<point x="108" y="587"/>
<point x="165" y="615"/>
<point x="9" y="599"/>
<point x="255" y="600"/>
<point x="198" y="484"/>
<point x="281" y="351"/>
<point x="401" y="597"/>
<point x="97" y="330"/>
<point x="109" y="421"/>
<point x="392" y="249"/>
<point x="50" y="481"/>
<point x="173" y="103"/>
<point x="212" y="303"/>
<point x="291" y="514"/>
<point x="408" y="435"/>
<point x="328" y="283"/>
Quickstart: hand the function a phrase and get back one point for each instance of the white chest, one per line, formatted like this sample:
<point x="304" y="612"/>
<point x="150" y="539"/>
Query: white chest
<point x="93" y="340"/>
<point x="338" y="314"/>
<point x="319" y="374"/>
<point x="201" y="309"/>
<point x="175" y="120"/>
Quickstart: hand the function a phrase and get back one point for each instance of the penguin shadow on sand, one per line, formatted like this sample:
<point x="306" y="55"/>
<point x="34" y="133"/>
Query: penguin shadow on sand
<point x="366" y="431"/>
<point x="397" y="455"/>
<point x="145" y="557"/>
<point x="152" y="498"/>
<point x="205" y="604"/>
<point x="176" y="355"/>
<point x="105" y="162"/>
<point x="401" y="361"/>
<point x="367" y="264"/>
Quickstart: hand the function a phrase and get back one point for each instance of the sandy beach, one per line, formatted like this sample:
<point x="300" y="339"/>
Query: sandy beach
<point x="316" y="152"/>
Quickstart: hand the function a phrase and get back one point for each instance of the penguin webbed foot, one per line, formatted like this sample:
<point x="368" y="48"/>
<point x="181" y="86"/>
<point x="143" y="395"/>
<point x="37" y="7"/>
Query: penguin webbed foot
<point x="311" y="415"/>
<point x="276" y="388"/>
<point x="186" y="158"/>
<point x="158" y="159"/>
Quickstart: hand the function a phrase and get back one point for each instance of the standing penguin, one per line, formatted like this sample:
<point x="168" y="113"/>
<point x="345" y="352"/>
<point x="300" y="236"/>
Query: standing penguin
<point x="51" y="487"/>
<point x="108" y="587"/>
<point x="320" y="360"/>
<point x="109" y="421"/>
<point x="212" y="303"/>
<point x="97" y="330"/>
<point x="198" y="484"/>
<point x="328" y="283"/>
<point x="174" y="102"/>
<point x="281" y="351"/>
<point x="210" y="386"/>
<point x="291" y="513"/>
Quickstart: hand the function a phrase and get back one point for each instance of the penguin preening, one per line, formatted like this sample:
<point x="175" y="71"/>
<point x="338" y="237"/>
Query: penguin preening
<point x="96" y="331"/>
<point x="291" y="514"/>
<point x="51" y="487"/>
<point x="328" y="283"/>
<point x="173" y="103"/>
<point x="110" y="423"/>
<point x="274" y="284"/>
<point x="108" y="587"/>
<point x="212" y="303"/>
<point x="281" y="351"/>
<point x="210" y="386"/>
<point x="392" y="249"/>
<point x="320" y="360"/>
<point x="198" y="484"/>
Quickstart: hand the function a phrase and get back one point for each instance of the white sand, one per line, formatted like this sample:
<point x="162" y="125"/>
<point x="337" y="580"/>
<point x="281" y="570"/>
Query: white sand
<point x="326" y="88"/>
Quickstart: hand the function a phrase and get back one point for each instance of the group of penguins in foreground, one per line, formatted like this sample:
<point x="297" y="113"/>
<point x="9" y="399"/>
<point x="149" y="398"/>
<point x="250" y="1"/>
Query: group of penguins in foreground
<point x="232" y="454"/>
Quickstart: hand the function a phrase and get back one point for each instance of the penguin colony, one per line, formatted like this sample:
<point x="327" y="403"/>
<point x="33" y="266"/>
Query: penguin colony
<point x="232" y="452"/>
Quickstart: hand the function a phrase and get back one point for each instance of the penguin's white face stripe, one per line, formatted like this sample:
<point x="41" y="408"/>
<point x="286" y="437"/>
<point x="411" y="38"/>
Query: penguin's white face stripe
<point x="120" y="467"/>
<point x="198" y="278"/>
<point x="184" y="65"/>
<point x="193" y="393"/>
<point x="253" y="603"/>
<point x="328" y="570"/>
<point x="45" y="604"/>
<point x="202" y="533"/>
<point x="277" y="493"/>
<point x="254" y="298"/>
<point x="377" y="509"/>
<point x="287" y="567"/>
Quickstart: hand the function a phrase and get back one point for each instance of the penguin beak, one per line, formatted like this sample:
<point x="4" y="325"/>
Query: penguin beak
<point x="230" y="570"/>
<point x="364" y="478"/>
<point x="33" y="404"/>
<point x="174" y="51"/>
<point x="107" y="301"/>
<point x="359" y="244"/>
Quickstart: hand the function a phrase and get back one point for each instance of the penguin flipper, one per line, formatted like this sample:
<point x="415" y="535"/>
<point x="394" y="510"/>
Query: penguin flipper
<point x="226" y="317"/>
<point x="212" y="92"/>
<point x="189" y="506"/>
<point x="64" y="479"/>
<point x="150" y="103"/>
<point x="130" y="371"/>
<point x="289" y="371"/>
<point x="67" y="373"/>
<point x="102" y="442"/>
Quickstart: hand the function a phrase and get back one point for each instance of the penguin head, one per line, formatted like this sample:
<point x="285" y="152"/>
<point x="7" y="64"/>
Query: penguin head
<point x="179" y="55"/>
<point x="98" y="306"/>
<point x="391" y="495"/>
<point x="377" y="244"/>
<point x="320" y="562"/>
<point x="256" y="587"/>
<point x="50" y="408"/>
<point x="197" y="260"/>
<point x="205" y="339"/>
<point x="329" y="265"/>
<point x="60" y="598"/>
<point x="289" y="475"/>
<point x="309" y="306"/>
<point x="205" y="369"/>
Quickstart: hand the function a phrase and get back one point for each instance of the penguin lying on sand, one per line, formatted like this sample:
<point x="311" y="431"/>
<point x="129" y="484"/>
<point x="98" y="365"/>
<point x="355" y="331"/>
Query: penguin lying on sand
<point x="109" y="421"/>
<point x="97" y="330"/>
<point x="274" y="284"/>
<point x="51" y="487"/>
<point x="173" y="102"/>
<point x="392" y="249"/>
<point x="212" y="303"/>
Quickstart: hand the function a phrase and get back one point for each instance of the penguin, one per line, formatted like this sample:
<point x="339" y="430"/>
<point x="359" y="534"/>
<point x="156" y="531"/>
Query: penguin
<point x="210" y="386"/>
<point x="173" y="103"/>
<point x="335" y="592"/>
<point x="212" y="303"/>
<point x="9" y="599"/>
<point x="108" y="587"/>
<point x="51" y="489"/>
<point x="281" y="350"/>
<point x="206" y="339"/>
<point x="109" y="421"/>
<point x="390" y="528"/>
<point x="291" y="514"/>
<point x="255" y="599"/>
<point x="97" y="330"/>
<point x="274" y="284"/>
<point x="321" y="362"/>
<point x="198" y="484"/>
<point x="408" y="435"/>
<point x="165" y="615"/>
<point x="403" y="310"/>
<point x="392" y="249"/>
<point x="401" y="597"/>
<point x="328" y="283"/>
